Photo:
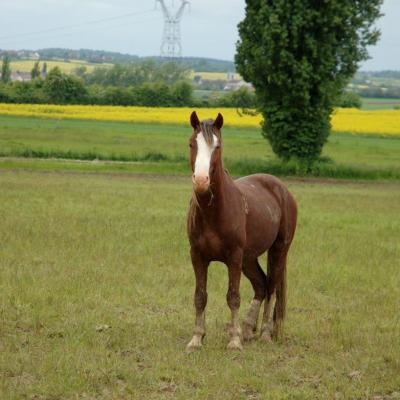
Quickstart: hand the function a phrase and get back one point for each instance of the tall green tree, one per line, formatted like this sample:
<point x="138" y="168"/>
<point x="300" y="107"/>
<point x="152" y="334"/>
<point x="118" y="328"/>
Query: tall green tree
<point x="35" y="72"/>
<point x="61" y="88"/>
<point x="44" y="70"/>
<point x="299" y="55"/>
<point x="6" y="70"/>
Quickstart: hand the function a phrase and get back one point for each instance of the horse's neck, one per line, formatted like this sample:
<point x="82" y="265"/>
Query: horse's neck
<point x="214" y="202"/>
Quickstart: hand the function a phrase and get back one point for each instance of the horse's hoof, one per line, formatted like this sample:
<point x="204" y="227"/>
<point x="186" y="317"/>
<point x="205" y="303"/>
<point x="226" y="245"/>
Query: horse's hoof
<point x="191" y="349"/>
<point x="266" y="337"/>
<point x="235" y="345"/>
<point x="195" y="344"/>
<point x="248" y="334"/>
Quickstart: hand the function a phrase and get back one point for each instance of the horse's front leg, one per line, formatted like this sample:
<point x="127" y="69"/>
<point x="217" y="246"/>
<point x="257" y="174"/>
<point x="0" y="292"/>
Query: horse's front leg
<point x="233" y="298"/>
<point x="200" y="300"/>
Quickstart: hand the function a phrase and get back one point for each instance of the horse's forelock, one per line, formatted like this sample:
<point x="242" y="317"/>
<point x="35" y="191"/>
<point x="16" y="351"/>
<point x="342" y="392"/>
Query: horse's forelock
<point x="208" y="129"/>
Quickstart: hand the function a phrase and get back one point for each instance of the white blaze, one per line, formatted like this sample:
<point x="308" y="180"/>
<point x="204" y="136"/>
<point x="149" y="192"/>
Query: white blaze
<point x="204" y="153"/>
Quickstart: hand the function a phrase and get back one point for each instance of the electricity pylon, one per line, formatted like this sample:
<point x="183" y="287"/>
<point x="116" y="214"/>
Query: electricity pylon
<point x="171" y="46"/>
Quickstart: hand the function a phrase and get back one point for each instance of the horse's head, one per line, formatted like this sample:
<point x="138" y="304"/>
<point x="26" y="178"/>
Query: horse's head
<point x="205" y="150"/>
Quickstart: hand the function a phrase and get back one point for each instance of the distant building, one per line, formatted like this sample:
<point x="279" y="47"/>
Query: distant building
<point x="235" y="82"/>
<point x="20" y="76"/>
<point x="28" y="55"/>
<point x="230" y="76"/>
<point x="236" y="85"/>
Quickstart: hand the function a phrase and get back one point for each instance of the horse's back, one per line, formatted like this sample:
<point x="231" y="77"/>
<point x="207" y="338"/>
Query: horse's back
<point x="271" y="209"/>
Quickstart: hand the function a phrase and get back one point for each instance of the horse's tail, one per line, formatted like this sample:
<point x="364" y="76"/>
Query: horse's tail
<point x="280" y="305"/>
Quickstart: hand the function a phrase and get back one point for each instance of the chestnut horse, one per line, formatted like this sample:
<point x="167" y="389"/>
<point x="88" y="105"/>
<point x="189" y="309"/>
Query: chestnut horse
<point x="236" y="221"/>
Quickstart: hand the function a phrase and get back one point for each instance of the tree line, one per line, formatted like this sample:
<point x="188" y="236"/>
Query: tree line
<point x="139" y="84"/>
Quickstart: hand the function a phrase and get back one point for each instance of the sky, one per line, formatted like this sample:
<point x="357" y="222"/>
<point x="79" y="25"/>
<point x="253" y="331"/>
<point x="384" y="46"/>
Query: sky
<point x="209" y="27"/>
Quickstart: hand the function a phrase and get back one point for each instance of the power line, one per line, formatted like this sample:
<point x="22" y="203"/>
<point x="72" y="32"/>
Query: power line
<point x="92" y="22"/>
<point x="83" y="29"/>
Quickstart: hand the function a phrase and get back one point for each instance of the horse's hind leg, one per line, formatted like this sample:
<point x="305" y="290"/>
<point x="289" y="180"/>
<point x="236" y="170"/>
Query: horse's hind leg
<point x="200" y="301"/>
<point x="257" y="278"/>
<point x="275" y="304"/>
<point x="234" y="264"/>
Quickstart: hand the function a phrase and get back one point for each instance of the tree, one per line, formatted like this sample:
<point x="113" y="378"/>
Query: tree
<point x="63" y="89"/>
<point x="6" y="70"/>
<point x="299" y="55"/>
<point x="182" y="94"/>
<point x="44" y="70"/>
<point x="348" y="100"/>
<point x="35" y="72"/>
<point x="80" y="71"/>
<point x="242" y="98"/>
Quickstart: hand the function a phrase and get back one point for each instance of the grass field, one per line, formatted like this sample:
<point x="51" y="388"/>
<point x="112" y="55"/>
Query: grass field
<point x="379" y="104"/>
<point x="161" y="148"/>
<point x="67" y="67"/>
<point x="96" y="294"/>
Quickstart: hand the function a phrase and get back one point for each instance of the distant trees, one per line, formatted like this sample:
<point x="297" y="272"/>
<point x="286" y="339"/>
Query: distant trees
<point x="44" y="70"/>
<point x="165" y="85"/>
<point x="242" y="98"/>
<point x="61" y="88"/>
<point x="136" y="74"/>
<point x="35" y="72"/>
<point x="6" y="70"/>
<point x="392" y="92"/>
<point x="348" y="100"/>
<point x="299" y="55"/>
<point x="148" y="94"/>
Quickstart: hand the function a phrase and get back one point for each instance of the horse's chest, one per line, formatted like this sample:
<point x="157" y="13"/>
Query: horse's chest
<point x="210" y="243"/>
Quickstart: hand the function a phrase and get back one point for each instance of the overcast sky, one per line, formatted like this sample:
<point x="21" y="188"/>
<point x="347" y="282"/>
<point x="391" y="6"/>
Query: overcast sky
<point x="209" y="28"/>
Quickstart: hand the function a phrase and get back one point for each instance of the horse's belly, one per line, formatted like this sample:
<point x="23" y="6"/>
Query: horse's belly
<point x="260" y="235"/>
<point x="262" y="223"/>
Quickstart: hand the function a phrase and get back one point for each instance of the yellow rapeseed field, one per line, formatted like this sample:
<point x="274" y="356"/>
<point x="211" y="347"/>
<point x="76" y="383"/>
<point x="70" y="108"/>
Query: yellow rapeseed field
<point x="213" y="76"/>
<point x="382" y="122"/>
<point x="67" y="67"/>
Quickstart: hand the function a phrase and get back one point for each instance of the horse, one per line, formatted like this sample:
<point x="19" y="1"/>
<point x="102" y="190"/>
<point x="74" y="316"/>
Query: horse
<point x="235" y="222"/>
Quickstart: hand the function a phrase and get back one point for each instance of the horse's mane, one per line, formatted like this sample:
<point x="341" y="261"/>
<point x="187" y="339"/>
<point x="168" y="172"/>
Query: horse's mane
<point x="191" y="220"/>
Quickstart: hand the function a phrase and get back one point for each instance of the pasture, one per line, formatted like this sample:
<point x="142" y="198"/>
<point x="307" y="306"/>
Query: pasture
<point x="369" y="103"/>
<point x="96" y="291"/>
<point x="162" y="148"/>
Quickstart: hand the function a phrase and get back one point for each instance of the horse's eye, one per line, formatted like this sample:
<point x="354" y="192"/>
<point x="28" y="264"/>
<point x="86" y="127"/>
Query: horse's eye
<point x="190" y="145"/>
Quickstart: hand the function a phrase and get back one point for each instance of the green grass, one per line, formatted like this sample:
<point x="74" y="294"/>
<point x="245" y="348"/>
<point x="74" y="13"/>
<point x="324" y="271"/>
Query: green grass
<point x="369" y="103"/>
<point x="206" y="94"/>
<point x="78" y="251"/>
<point x="245" y="151"/>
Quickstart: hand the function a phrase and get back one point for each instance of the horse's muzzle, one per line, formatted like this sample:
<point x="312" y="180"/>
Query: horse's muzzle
<point x="201" y="184"/>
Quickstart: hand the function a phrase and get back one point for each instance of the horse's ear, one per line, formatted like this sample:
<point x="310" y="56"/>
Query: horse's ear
<point x="194" y="120"/>
<point x="219" y="122"/>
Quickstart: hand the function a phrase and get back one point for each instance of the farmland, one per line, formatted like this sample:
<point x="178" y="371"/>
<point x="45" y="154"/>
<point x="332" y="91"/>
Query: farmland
<point x="96" y="292"/>
<point x="162" y="148"/>
<point x="213" y="76"/>
<point x="67" y="67"/>
<point x="380" y="103"/>
<point x="96" y="285"/>
<point x="376" y="122"/>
